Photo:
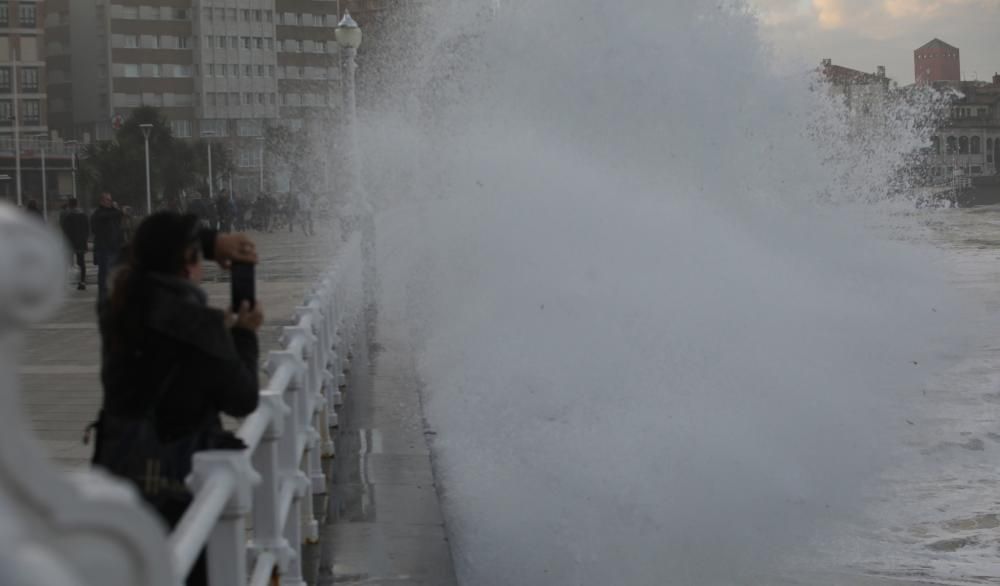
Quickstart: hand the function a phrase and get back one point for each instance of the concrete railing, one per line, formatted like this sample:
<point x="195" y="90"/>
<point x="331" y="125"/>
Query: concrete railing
<point x="88" y="529"/>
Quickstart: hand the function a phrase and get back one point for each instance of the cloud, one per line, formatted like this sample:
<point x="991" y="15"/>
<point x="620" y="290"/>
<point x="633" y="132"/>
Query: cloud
<point x="867" y="33"/>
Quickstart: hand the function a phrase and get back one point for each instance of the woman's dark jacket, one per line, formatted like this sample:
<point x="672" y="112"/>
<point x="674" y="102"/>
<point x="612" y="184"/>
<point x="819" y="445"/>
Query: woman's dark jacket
<point x="180" y="348"/>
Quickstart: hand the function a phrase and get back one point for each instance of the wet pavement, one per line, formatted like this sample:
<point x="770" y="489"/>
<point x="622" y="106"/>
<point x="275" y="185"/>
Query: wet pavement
<point x="385" y="524"/>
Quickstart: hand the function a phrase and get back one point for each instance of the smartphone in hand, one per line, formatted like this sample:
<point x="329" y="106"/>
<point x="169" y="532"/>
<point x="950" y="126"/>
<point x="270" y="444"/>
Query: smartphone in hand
<point x="243" y="284"/>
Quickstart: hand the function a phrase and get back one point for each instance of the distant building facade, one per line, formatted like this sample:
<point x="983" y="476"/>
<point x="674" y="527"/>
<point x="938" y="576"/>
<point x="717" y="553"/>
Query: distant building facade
<point x="226" y="70"/>
<point x="937" y="61"/>
<point x="24" y="104"/>
<point x="968" y="143"/>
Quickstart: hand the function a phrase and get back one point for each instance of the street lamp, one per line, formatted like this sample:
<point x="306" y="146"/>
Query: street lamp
<point x="45" y="184"/>
<point x="146" y="129"/>
<point x="74" y="145"/>
<point x="348" y="35"/>
<point x="211" y="187"/>
<point x="260" y="145"/>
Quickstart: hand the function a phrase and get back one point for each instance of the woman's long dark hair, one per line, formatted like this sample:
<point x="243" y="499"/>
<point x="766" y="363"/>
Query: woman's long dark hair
<point x="160" y="245"/>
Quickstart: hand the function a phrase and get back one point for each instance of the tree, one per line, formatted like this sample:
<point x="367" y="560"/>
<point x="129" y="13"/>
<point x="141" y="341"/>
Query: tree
<point x="118" y="165"/>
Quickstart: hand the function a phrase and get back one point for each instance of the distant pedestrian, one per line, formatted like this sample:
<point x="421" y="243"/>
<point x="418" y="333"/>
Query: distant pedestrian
<point x="128" y="224"/>
<point x="306" y="214"/>
<point x="32" y="208"/>
<point x="106" y="226"/>
<point x="76" y="227"/>
<point x="291" y="211"/>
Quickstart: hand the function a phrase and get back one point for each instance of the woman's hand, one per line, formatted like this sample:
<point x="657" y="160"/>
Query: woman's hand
<point x="249" y="319"/>
<point x="230" y="248"/>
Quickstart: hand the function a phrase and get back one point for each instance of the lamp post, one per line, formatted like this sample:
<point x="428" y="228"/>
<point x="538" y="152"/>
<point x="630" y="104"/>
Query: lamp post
<point x="211" y="188"/>
<point x="45" y="185"/>
<point x="260" y="146"/>
<point x="146" y="129"/>
<point x="16" y="119"/>
<point x="74" y="145"/>
<point x="349" y="36"/>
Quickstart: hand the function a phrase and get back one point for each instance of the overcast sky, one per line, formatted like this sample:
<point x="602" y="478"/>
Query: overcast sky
<point x="863" y="34"/>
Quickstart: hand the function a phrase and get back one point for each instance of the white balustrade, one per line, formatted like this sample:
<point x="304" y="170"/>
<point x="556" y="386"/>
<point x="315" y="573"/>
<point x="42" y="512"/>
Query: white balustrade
<point x="89" y="529"/>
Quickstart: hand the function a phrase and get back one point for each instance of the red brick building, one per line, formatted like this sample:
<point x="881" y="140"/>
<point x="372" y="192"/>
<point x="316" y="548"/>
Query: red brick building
<point x="937" y="61"/>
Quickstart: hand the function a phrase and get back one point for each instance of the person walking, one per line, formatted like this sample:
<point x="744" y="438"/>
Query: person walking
<point x="306" y="213"/>
<point x="291" y="211"/>
<point x="32" y="208"/>
<point x="76" y="227"/>
<point x="172" y="365"/>
<point x="106" y="226"/>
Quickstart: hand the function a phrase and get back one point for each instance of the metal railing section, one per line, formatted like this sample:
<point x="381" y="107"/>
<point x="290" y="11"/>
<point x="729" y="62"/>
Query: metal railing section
<point x="272" y="482"/>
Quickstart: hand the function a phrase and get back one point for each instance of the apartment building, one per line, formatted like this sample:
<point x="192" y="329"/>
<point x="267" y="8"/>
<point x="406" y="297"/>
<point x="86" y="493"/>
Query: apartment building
<point x="23" y="75"/>
<point x="209" y="65"/>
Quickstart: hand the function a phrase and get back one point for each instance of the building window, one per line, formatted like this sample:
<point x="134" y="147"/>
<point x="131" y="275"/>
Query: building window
<point x="29" y="79"/>
<point x="32" y="112"/>
<point x="4" y="15"/>
<point x="260" y="99"/>
<point x="221" y="42"/>
<point x="6" y="112"/>
<point x="248" y="70"/>
<point x="5" y="79"/>
<point x="247" y="98"/>
<point x="128" y="12"/>
<point x="223" y="70"/>
<point x="975" y="145"/>
<point x="181" y="128"/>
<point x="233" y="42"/>
<point x="963" y="145"/>
<point x="258" y="42"/>
<point x="130" y="70"/>
<point x="936" y="145"/>
<point x="215" y="127"/>
<point x="249" y="127"/>
<point x="952" y="145"/>
<point x="26" y="15"/>
<point x="258" y="15"/>
<point x="989" y="150"/>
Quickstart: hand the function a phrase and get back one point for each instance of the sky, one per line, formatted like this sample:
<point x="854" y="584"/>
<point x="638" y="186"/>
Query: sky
<point x="863" y="34"/>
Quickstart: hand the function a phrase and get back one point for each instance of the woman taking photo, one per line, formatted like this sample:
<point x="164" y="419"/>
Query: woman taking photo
<point x="171" y="366"/>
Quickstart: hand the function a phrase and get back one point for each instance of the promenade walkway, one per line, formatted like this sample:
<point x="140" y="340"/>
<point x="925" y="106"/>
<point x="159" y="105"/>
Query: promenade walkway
<point x="382" y="522"/>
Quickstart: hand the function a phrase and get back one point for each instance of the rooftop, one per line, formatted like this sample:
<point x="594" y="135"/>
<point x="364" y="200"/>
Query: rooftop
<point x="937" y="44"/>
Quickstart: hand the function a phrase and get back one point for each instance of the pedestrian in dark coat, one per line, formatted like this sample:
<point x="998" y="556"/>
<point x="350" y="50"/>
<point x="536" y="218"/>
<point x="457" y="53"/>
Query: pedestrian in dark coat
<point x="76" y="228"/>
<point x="33" y="208"/>
<point x="166" y="352"/>
<point x="106" y="225"/>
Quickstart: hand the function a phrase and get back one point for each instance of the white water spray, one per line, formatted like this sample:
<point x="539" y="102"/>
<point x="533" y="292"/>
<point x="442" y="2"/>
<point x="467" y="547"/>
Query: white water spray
<point x="649" y="356"/>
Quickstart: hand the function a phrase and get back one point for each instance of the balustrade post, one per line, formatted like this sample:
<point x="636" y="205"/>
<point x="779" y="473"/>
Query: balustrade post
<point x="292" y="481"/>
<point x="267" y="521"/>
<point x="227" y="551"/>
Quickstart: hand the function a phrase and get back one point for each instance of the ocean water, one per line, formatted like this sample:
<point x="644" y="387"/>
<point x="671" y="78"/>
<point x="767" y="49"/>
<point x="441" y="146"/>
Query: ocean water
<point x="664" y="334"/>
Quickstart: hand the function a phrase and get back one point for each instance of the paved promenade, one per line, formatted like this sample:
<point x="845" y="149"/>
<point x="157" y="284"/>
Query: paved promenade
<point x="383" y="523"/>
